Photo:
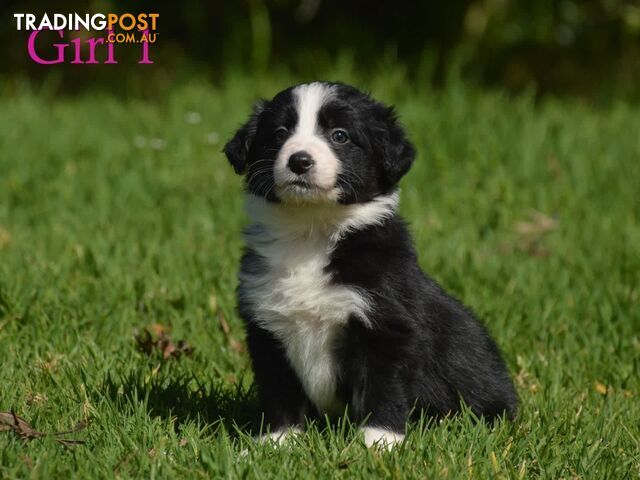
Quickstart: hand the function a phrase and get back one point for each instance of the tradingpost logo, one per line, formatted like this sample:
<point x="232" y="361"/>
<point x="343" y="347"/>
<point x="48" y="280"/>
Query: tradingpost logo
<point x="110" y="29"/>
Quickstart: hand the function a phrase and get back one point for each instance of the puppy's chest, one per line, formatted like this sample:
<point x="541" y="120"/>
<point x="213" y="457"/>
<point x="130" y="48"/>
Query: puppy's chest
<point x="293" y="296"/>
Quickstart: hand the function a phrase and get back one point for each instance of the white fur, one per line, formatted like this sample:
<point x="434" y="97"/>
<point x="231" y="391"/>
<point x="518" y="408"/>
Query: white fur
<point x="295" y="298"/>
<point x="279" y="436"/>
<point x="309" y="99"/>
<point x="381" y="437"/>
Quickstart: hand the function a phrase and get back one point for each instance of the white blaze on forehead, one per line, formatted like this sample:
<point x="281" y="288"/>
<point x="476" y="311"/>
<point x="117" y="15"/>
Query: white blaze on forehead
<point x="305" y="136"/>
<point x="309" y="99"/>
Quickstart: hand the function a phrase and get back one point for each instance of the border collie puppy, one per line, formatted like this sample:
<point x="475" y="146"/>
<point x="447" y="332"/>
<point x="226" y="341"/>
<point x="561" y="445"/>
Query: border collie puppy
<point x="338" y="313"/>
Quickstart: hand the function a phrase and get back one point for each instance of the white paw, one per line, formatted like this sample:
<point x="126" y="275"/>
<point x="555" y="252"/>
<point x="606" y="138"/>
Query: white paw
<point x="381" y="437"/>
<point x="279" y="436"/>
<point x="276" y="438"/>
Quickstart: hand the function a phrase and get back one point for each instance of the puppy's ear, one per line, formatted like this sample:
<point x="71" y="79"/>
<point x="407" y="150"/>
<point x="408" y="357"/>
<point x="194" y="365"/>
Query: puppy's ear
<point x="237" y="149"/>
<point x="395" y="150"/>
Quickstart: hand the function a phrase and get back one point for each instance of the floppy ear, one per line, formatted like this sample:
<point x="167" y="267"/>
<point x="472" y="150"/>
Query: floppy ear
<point x="396" y="151"/>
<point x="237" y="149"/>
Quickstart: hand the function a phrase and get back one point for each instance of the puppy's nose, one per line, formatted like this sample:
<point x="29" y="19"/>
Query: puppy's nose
<point x="300" y="162"/>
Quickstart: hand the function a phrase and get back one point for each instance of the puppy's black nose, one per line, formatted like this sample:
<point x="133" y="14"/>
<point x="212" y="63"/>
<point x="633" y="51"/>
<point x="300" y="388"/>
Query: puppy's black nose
<point x="300" y="162"/>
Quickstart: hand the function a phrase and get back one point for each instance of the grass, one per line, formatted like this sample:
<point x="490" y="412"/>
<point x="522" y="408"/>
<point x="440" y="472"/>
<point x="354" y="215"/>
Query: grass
<point x="119" y="214"/>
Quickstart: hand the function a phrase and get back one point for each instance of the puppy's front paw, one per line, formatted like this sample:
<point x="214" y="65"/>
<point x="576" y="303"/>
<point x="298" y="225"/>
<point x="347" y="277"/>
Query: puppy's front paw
<point x="381" y="437"/>
<point x="279" y="436"/>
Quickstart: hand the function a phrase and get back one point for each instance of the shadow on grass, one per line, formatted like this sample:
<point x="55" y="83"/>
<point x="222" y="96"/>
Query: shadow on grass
<point x="235" y="407"/>
<point x="216" y="403"/>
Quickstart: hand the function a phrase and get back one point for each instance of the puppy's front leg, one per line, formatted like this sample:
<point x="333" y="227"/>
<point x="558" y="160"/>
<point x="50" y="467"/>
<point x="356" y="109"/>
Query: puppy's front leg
<point x="385" y="412"/>
<point x="378" y="393"/>
<point x="282" y="398"/>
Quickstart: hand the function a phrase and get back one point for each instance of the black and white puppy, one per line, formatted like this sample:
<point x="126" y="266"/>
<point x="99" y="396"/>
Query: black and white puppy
<point x="338" y="313"/>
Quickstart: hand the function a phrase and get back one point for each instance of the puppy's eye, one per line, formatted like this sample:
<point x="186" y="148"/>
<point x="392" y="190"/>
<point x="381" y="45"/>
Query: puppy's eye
<point x="339" y="136"/>
<point x="280" y="134"/>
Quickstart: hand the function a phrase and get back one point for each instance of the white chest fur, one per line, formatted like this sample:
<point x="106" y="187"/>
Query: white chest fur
<point x="293" y="296"/>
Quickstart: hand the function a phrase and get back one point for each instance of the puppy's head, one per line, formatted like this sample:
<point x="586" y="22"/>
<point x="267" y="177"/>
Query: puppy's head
<point x="320" y="142"/>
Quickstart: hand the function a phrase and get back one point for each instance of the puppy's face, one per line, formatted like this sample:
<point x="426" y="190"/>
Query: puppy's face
<point x="320" y="142"/>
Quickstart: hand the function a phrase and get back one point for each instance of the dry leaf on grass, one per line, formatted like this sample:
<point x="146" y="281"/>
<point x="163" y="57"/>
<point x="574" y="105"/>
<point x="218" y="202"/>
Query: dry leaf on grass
<point x="530" y="234"/>
<point x="234" y="344"/>
<point x="10" y="422"/>
<point x="223" y="324"/>
<point x="156" y="338"/>
<point x="601" y="388"/>
<point x="538" y="225"/>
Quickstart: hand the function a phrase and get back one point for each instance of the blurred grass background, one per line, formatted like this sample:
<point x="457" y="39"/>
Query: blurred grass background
<point x="589" y="48"/>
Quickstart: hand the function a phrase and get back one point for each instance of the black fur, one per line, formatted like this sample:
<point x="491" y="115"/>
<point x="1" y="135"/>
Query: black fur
<point x="237" y="149"/>
<point x="425" y="351"/>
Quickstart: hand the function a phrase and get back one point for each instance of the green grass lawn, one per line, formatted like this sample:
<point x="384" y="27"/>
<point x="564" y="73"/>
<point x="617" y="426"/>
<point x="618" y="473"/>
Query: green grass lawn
<point x="116" y="215"/>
